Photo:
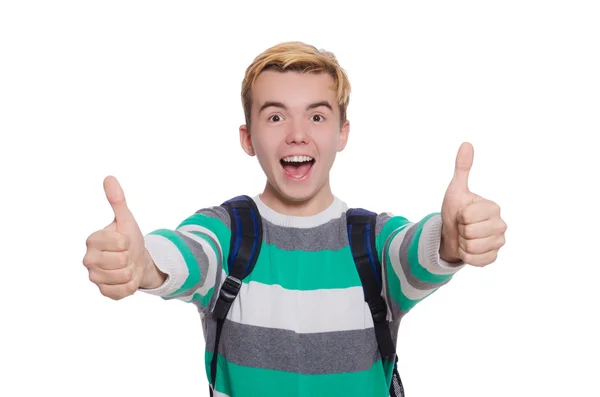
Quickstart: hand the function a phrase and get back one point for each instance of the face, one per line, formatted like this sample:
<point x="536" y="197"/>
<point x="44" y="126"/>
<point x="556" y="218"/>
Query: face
<point x="295" y="133"/>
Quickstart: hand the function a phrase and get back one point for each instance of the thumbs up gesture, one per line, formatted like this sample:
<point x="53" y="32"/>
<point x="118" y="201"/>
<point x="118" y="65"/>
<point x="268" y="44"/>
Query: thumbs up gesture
<point x="472" y="229"/>
<point x="116" y="256"/>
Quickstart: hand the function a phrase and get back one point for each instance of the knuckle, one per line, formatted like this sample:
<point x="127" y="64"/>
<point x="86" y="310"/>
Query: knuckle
<point x="494" y="256"/>
<point x="92" y="278"/>
<point x="130" y="288"/>
<point x="112" y="293"/>
<point x="466" y="257"/>
<point x="104" y="290"/>
<point x="115" y="296"/>
<point x="87" y="261"/>
<point x="89" y="242"/>
<point x="125" y="275"/>
<point x="469" y="231"/>
<point x="466" y="218"/>
<point x="128" y="274"/>
<point x="95" y="239"/>
<point x="502" y="241"/>
<point x="122" y="259"/>
<point x="470" y="246"/>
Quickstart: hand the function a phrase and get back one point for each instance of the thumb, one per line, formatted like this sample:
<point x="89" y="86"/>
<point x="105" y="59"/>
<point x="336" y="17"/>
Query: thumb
<point x="464" y="161"/>
<point x="116" y="198"/>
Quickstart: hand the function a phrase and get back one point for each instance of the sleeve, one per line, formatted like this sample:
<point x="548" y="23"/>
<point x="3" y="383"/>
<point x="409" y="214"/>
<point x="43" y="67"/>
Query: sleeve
<point x="191" y="256"/>
<point x="410" y="260"/>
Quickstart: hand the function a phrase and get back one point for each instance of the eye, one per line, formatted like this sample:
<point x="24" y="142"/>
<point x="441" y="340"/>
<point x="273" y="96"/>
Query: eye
<point x="275" y="118"/>
<point x="317" y="118"/>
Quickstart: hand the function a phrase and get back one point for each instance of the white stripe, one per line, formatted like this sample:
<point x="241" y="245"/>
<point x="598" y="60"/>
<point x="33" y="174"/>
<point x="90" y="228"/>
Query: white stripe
<point x="212" y="267"/>
<point x="384" y="273"/>
<point x="323" y="310"/>
<point x="169" y="260"/>
<point x="219" y="394"/>
<point x="430" y="243"/>
<point x="188" y="298"/>
<point x="394" y="251"/>
<point x="203" y="230"/>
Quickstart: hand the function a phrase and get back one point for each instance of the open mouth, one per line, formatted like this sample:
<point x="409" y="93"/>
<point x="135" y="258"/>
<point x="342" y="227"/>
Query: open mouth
<point x="297" y="167"/>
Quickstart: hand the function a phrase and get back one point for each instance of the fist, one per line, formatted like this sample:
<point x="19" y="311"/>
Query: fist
<point x="480" y="232"/>
<point x="108" y="260"/>
<point x="472" y="228"/>
<point x="116" y="255"/>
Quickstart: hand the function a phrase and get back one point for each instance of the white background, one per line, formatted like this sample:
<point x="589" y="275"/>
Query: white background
<point x="149" y="92"/>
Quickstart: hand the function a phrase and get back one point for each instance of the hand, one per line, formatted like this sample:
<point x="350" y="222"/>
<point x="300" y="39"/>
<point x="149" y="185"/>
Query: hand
<point x="472" y="229"/>
<point x="116" y="256"/>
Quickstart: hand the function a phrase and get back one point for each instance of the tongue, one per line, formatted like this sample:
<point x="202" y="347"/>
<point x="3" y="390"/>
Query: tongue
<point x="297" y="170"/>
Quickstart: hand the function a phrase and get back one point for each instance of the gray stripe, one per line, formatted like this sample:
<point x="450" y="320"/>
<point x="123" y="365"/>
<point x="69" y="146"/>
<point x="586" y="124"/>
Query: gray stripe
<point x="216" y="212"/>
<point x="397" y="312"/>
<point x="381" y="221"/>
<point x="220" y="213"/>
<point x="328" y="236"/>
<point x="284" y="350"/>
<point x="201" y="258"/>
<point x="412" y="280"/>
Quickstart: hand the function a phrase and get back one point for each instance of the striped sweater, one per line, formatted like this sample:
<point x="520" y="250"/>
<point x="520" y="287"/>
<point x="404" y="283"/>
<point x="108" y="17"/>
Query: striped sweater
<point x="300" y="326"/>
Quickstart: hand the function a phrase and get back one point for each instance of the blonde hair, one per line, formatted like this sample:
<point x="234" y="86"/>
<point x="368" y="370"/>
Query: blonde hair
<point x="299" y="57"/>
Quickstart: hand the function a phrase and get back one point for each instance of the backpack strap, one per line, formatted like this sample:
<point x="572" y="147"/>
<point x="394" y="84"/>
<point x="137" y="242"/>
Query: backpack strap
<point x="361" y="225"/>
<point x="246" y="241"/>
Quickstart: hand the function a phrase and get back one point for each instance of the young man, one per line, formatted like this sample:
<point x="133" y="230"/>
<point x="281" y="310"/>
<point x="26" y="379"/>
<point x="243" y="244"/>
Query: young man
<point x="300" y="325"/>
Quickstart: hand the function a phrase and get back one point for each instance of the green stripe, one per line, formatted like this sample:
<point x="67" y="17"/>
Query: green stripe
<point x="210" y="241"/>
<point x="395" y="289"/>
<point x="191" y="263"/>
<point x="214" y="225"/>
<point x="299" y="270"/>
<point x="214" y="247"/>
<point x="393" y="225"/>
<point x="413" y="257"/>
<point x="240" y="381"/>
<point x="203" y="300"/>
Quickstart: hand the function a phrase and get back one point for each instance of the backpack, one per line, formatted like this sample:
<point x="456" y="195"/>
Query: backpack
<point x="246" y="241"/>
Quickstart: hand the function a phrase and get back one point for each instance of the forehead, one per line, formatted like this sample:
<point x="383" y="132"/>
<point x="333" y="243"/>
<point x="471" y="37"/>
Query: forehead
<point x="293" y="87"/>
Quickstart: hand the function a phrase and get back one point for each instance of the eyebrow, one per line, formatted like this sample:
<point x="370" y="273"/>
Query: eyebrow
<point x="282" y="106"/>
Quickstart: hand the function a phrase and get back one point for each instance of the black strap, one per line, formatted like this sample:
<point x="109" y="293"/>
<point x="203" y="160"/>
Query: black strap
<point x="361" y="225"/>
<point x="396" y="387"/>
<point x="246" y="240"/>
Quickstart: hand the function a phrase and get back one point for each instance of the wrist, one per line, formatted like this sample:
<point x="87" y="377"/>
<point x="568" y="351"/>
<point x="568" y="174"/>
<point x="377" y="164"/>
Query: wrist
<point x="152" y="277"/>
<point x="446" y="252"/>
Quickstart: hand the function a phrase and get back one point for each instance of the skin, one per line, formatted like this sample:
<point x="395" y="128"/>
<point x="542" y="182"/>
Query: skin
<point x="293" y="114"/>
<point x="473" y="230"/>
<point x="290" y="126"/>
<point x="283" y="123"/>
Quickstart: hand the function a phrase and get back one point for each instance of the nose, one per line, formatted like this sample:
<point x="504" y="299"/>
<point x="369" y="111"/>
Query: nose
<point x="297" y="133"/>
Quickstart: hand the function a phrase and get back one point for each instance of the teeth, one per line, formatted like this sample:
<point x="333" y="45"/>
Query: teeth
<point x="297" y="159"/>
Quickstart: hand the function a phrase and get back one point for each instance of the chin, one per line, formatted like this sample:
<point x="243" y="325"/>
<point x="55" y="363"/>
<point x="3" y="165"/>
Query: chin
<point x="298" y="194"/>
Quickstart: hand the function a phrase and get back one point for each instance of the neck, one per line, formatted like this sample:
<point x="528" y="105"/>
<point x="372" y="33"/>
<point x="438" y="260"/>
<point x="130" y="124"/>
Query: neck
<point x="302" y="207"/>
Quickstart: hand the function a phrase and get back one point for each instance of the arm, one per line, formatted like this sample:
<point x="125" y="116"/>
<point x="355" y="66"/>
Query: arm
<point x="153" y="276"/>
<point x="410" y="257"/>
<point x="190" y="257"/>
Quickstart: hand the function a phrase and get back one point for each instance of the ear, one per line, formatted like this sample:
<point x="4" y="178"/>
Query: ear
<point x="344" y="132"/>
<point x="246" y="140"/>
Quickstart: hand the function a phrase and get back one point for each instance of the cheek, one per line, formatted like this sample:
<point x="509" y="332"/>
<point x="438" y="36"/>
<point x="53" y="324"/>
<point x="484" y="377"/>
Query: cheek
<point x="264" y="150"/>
<point x="328" y="144"/>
